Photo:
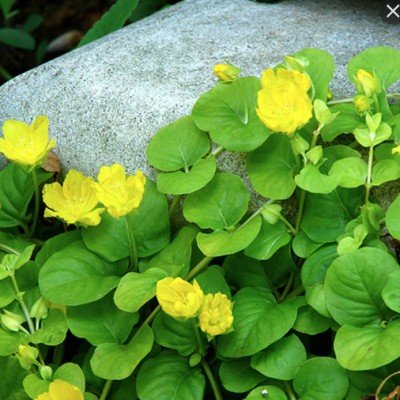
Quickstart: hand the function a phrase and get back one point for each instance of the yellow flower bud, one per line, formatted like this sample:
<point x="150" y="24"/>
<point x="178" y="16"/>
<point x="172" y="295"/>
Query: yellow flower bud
<point x="283" y="103"/>
<point x="119" y="194"/>
<point x="61" y="390"/>
<point x="368" y="83"/>
<point x="362" y="103"/>
<point x="179" y="298"/>
<point x="216" y="314"/>
<point x="26" y="145"/>
<point x="226" y="72"/>
<point x="74" y="202"/>
<point x="396" y="150"/>
<point x="27" y="355"/>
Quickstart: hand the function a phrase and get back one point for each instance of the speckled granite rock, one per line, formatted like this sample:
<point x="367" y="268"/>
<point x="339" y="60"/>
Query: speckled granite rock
<point x="107" y="99"/>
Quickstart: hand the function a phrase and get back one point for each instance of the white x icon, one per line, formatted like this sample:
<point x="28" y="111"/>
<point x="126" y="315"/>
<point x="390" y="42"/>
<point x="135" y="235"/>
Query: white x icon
<point x="393" y="10"/>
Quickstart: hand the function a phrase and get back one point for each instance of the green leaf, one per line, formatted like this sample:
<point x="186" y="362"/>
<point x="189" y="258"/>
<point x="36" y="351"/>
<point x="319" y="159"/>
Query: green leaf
<point x="260" y="393"/>
<point x="35" y="386"/>
<point x="353" y="286"/>
<point x="311" y="322"/>
<point x="9" y="342"/>
<point x="168" y="376"/>
<point x="391" y="293"/>
<point x="313" y="275"/>
<point x="175" y="258"/>
<point x="136" y="289"/>
<point x="228" y="112"/>
<point x="12" y="376"/>
<point x="258" y="322"/>
<point x="112" y="20"/>
<point x="115" y="362"/>
<point x="281" y="359"/>
<point x="221" y="243"/>
<point x="149" y="224"/>
<point x="219" y="205"/>
<point x="385" y="171"/>
<point x="32" y="22"/>
<point x="212" y="281"/>
<point x="303" y="246"/>
<point x="180" y="182"/>
<point x="371" y="60"/>
<point x="268" y="241"/>
<point x="53" y="329"/>
<point x="177" y="146"/>
<point x="362" y="384"/>
<point x="71" y="373"/>
<point x="367" y="347"/>
<point x="174" y="334"/>
<point x="346" y="121"/>
<point x="238" y="376"/>
<point x="17" y="38"/>
<point x="242" y="271"/>
<point x="101" y="322"/>
<point x="312" y="180"/>
<point x="392" y="218"/>
<point x="271" y="168"/>
<point x="320" y="68"/>
<point x="321" y="378"/>
<point x="350" y="172"/>
<point x="75" y="276"/>
<point x="326" y="215"/>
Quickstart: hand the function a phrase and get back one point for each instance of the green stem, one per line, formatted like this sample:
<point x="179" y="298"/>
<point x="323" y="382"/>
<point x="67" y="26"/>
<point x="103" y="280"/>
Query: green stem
<point x="174" y="203"/>
<point x="378" y="391"/>
<point x="376" y="103"/>
<point x="9" y="249"/>
<point x="369" y="174"/>
<point x="133" y="257"/>
<point x="5" y="74"/>
<point x="106" y="390"/>
<point x="23" y="305"/>
<point x="287" y="287"/>
<point x="289" y="391"/>
<point x="198" y="268"/>
<point x="255" y="214"/>
<point x="295" y="292"/>
<point x="150" y="318"/>
<point x="202" y="350"/>
<point x="300" y="211"/>
<point x="211" y="378"/>
<point x="288" y="224"/>
<point x="59" y="354"/>
<point x="340" y="101"/>
<point x="217" y="151"/>
<point x="37" y="202"/>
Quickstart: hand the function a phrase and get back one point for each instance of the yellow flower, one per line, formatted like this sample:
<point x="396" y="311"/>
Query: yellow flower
<point x="216" y="314"/>
<point x="74" y="202"/>
<point x="396" y="150"/>
<point x="283" y="103"/>
<point x="120" y="194"/>
<point x="367" y="83"/>
<point x="179" y="298"/>
<point x="362" y="103"/>
<point x="226" y="72"/>
<point x="26" y="145"/>
<point x="61" y="390"/>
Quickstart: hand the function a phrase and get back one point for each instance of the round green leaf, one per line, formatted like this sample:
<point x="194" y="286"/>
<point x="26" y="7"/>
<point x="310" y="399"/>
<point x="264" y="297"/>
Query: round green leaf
<point x="391" y="292"/>
<point x="271" y="168"/>
<point x="174" y="334"/>
<point x="303" y="246"/>
<point x="71" y="373"/>
<point x="238" y="376"/>
<point x="149" y="224"/>
<point x="136" y="289"/>
<point x="53" y="329"/>
<point x="268" y="241"/>
<point x="385" y="171"/>
<point x="228" y="112"/>
<point x="17" y="38"/>
<point x="220" y="243"/>
<point x="353" y="286"/>
<point x="310" y="322"/>
<point x="321" y="378"/>
<point x="263" y="392"/>
<point x="75" y="276"/>
<point x="177" y="146"/>
<point x="311" y="179"/>
<point x="168" y="376"/>
<point x="258" y="322"/>
<point x="393" y="218"/>
<point x="212" y="281"/>
<point x="219" y="205"/>
<point x="115" y="362"/>
<point x="101" y="322"/>
<point x="181" y="182"/>
<point x="281" y="359"/>
<point x="350" y="172"/>
<point x="35" y="386"/>
<point x="367" y="347"/>
<point x="10" y="341"/>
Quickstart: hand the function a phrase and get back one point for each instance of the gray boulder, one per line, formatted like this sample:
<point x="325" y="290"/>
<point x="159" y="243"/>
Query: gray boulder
<point x="107" y="99"/>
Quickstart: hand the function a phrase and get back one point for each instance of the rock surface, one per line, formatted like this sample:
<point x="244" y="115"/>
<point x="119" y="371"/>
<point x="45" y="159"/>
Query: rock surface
<point x="107" y="99"/>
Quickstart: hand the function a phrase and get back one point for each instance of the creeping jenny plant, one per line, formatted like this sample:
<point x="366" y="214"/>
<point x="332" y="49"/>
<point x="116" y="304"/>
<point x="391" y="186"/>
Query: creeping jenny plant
<point x="101" y="297"/>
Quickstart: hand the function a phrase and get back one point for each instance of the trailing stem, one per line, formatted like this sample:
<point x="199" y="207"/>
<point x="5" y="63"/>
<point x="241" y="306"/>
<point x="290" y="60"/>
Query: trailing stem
<point x="37" y="202"/>
<point x="212" y="380"/>
<point x="369" y="174"/>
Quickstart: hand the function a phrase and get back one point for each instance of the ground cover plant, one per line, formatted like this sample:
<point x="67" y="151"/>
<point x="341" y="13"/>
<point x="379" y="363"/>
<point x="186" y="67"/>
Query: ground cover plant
<point x="102" y="296"/>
